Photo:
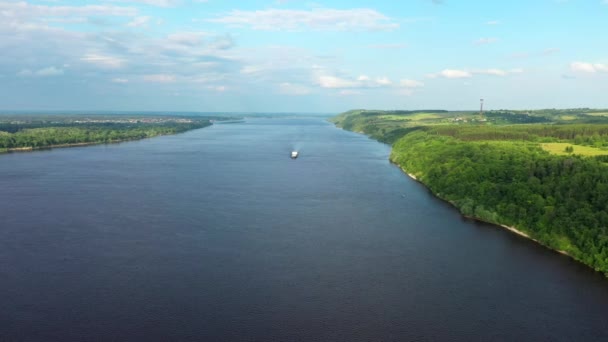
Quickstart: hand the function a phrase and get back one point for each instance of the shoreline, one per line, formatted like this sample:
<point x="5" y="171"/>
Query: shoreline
<point x="512" y="229"/>
<point x="50" y="147"/>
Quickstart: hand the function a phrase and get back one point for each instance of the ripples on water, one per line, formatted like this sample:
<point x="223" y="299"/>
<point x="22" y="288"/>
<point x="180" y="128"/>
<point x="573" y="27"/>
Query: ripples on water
<point x="216" y="234"/>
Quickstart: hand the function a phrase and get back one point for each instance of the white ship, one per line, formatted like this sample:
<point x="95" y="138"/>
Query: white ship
<point x="294" y="154"/>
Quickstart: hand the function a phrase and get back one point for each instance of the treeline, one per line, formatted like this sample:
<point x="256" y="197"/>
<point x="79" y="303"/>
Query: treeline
<point x="562" y="201"/>
<point x="20" y="137"/>
<point x="508" y="117"/>
<point x="401" y="112"/>
<point x="579" y="134"/>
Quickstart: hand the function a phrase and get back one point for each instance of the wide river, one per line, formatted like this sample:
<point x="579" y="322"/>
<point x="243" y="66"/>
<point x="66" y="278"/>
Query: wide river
<point x="217" y="235"/>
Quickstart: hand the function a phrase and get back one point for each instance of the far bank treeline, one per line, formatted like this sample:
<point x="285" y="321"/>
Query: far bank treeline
<point x="508" y="173"/>
<point x="17" y="133"/>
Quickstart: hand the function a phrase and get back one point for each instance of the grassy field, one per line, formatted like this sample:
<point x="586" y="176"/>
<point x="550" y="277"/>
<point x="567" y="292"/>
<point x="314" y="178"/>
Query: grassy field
<point x="412" y="117"/>
<point x="560" y="149"/>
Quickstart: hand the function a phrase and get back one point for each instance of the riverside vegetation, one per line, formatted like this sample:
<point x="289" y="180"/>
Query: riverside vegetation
<point x="543" y="172"/>
<point x="22" y="132"/>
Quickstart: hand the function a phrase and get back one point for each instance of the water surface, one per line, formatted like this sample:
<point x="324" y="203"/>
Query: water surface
<point x="217" y="235"/>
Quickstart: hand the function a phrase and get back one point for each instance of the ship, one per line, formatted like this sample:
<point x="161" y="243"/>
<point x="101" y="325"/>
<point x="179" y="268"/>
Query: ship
<point x="294" y="154"/>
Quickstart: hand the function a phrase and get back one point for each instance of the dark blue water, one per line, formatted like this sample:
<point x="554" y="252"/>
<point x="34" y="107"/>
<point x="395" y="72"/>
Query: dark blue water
<point x="217" y="235"/>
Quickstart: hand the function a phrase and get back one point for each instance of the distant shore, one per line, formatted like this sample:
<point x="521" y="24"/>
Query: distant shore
<point x="31" y="148"/>
<point x="90" y="143"/>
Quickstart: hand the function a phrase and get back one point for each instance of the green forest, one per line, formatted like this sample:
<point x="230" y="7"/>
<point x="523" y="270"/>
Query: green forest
<point x="40" y="133"/>
<point x="504" y="174"/>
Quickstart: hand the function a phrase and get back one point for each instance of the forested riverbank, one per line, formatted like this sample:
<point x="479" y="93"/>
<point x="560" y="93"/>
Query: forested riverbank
<point x="43" y="132"/>
<point x="507" y="174"/>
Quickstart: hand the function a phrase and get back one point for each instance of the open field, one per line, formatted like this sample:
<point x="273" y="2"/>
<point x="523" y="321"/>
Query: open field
<point x="413" y="117"/>
<point x="560" y="149"/>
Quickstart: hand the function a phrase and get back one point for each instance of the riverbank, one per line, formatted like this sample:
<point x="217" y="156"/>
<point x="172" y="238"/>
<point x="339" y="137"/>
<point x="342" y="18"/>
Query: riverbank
<point x="49" y="147"/>
<point x="27" y="137"/>
<point x="511" y="229"/>
<point x="501" y="176"/>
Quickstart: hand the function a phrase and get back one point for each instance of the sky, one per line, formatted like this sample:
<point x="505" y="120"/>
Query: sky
<point x="300" y="56"/>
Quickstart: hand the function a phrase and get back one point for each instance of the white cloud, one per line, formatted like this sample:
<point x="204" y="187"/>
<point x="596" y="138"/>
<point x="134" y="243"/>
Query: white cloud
<point x="336" y="82"/>
<point x="217" y="88"/>
<point x="363" y="81"/>
<point x="44" y="72"/>
<point x="452" y="73"/>
<point x="159" y="78"/>
<point x="109" y="62"/>
<point x="50" y="71"/>
<point x="384" y="81"/>
<point x="456" y="73"/>
<point x="354" y="86"/>
<point x="321" y="19"/>
<point x="411" y="83"/>
<point x="588" y="67"/>
<point x="206" y="78"/>
<point x="293" y="89"/>
<point x="485" y="41"/>
<point x="141" y="21"/>
<point x="120" y="80"/>
<point x="251" y="69"/>
<point x="156" y="3"/>
<point x="492" y="22"/>
<point x="493" y="72"/>
<point x="186" y="38"/>
<point x="222" y="42"/>
<point x="24" y="9"/>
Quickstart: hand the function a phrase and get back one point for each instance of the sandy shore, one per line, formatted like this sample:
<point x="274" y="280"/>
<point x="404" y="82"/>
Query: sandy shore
<point x="516" y="231"/>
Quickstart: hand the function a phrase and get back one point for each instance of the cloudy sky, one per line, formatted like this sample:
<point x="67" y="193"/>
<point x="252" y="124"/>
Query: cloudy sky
<point x="300" y="56"/>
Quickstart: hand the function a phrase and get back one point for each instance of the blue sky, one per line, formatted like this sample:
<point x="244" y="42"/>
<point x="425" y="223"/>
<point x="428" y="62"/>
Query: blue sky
<point x="300" y="56"/>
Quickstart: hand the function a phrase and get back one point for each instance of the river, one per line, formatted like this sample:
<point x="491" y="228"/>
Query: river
<point x="217" y="235"/>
